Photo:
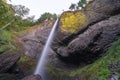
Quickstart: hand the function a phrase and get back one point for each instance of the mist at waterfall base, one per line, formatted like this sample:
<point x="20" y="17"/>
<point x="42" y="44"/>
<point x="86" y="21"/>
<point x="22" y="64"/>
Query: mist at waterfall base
<point x="41" y="63"/>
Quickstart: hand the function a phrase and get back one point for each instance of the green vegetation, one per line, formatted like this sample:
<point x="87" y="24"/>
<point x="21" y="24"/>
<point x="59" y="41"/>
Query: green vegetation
<point x="20" y="10"/>
<point x="6" y="41"/>
<point x="46" y="16"/>
<point x="99" y="68"/>
<point x="61" y="74"/>
<point x="11" y="21"/>
<point x="81" y="4"/>
<point x="72" y="6"/>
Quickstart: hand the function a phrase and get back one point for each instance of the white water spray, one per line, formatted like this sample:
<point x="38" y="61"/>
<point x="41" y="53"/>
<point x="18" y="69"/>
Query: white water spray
<point x="41" y="63"/>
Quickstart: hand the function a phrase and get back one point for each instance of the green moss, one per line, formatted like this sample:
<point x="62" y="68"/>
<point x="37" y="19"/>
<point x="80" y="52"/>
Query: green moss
<point x="57" y="73"/>
<point x="27" y="64"/>
<point x="52" y="71"/>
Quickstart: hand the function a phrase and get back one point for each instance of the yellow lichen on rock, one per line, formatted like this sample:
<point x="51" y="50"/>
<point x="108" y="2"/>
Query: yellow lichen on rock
<point x="72" y="21"/>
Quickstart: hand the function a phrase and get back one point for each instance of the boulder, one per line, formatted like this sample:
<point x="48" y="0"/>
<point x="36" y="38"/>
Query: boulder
<point x="8" y="60"/>
<point x="94" y="41"/>
<point x="32" y="77"/>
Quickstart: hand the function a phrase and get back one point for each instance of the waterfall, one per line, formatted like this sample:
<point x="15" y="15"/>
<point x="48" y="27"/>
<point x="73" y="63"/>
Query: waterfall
<point x="41" y="63"/>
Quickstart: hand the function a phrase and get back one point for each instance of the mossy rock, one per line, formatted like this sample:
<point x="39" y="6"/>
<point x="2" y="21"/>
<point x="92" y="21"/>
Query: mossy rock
<point x="27" y="64"/>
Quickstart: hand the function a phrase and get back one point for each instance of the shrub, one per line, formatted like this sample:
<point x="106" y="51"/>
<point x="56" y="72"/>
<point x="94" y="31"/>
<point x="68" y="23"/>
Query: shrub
<point x="5" y="41"/>
<point x="72" y="21"/>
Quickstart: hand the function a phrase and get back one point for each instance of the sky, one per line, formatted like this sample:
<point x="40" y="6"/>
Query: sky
<point x="38" y="7"/>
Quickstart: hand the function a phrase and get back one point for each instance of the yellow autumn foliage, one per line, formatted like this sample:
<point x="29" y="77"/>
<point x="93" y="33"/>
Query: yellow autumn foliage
<point x="72" y="21"/>
<point x="4" y="1"/>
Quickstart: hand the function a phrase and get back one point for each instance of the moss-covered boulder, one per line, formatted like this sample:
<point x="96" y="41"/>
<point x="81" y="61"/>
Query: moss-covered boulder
<point x="93" y="42"/>
<point x="73" y="23"/>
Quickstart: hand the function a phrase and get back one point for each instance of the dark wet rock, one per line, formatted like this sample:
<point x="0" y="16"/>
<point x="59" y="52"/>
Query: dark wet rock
<point x="7" y="77"/>
<point x="113" y="77"/>
<point x="94" y="41"/>
<point x="8" y="60"/>
<point x="32" y="77"/>
<point x="114" y="67"/>
<point x="16" y="71"/>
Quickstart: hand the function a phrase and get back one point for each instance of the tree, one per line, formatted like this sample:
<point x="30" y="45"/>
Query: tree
<point x="54" y="16"/>
<point x="21" y="10"/>
<point x="72" y="6"/>
<point x="6" y="14"/>
<point x="11" y="21"/>
<point x="46" y="16"/>
<point x="81" y="3"/>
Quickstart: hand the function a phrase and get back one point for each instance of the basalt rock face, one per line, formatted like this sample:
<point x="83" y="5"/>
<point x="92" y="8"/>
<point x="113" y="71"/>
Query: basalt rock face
<point x="7" y="61"/>
<point x="90" y="42"/>
<point x="107" y="7"/>
<point x="93" y="42"/>
<point x="8" y="66"/>
<point x="95" y="12"/>
<point x="34" y="41"/>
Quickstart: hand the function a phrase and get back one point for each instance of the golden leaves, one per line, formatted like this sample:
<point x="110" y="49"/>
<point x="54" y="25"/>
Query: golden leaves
<point x="72" y="21"/>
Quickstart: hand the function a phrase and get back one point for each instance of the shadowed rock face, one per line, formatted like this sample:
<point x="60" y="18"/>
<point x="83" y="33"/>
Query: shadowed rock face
<point x="8" y="60"/>
<point x="6" y="76"/>
<point x="94" y="41"/>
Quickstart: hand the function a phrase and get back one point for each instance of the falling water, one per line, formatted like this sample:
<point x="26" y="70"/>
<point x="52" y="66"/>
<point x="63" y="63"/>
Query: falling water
<point x="41" y="64"/>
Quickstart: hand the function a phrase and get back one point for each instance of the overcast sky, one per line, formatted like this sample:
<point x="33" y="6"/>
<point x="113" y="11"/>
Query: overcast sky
<point x="38" y="7"/>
